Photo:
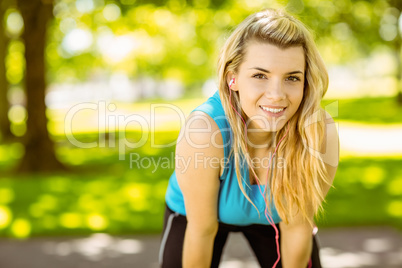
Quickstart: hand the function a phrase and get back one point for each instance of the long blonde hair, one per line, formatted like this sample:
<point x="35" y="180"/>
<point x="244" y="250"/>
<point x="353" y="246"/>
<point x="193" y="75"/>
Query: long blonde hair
<point x="299" y="183"/>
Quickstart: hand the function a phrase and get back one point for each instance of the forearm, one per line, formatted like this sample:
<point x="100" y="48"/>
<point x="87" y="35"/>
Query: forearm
<point x="198" y="249"/>
<point x="296" y="248"/>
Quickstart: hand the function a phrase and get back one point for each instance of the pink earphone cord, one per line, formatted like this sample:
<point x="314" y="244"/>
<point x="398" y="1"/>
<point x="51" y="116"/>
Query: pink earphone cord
<point x="267" y="216"/>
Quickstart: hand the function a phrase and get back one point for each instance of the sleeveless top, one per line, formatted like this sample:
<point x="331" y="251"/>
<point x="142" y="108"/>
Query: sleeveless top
<point x="233" y="207"/>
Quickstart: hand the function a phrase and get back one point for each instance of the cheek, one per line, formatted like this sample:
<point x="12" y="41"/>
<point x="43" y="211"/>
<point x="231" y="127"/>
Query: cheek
<point x="245" y="99"/>
<point x="295" y="100"/>
<point x="300" y="98"/>
<point x="297" y="97"/>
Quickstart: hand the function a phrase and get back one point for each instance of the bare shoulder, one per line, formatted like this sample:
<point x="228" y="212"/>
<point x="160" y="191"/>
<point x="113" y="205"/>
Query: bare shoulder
<point x="330" y="150"/>
<point x="199" y="152"/>
<point x="328" y="118"/>
<point x="200" y="132"/>
<point x="330" y="144"/>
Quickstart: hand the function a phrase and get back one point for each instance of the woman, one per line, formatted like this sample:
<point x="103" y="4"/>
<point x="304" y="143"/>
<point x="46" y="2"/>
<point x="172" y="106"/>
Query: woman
<point x="259" y="156"/>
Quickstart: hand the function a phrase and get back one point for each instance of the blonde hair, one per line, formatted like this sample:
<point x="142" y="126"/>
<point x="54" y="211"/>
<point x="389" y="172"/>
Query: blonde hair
<point x="299" y="183"/>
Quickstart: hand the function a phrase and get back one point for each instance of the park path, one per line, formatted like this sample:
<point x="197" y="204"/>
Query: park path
<point x="379" y="247"/>
<point x="370" y="140"/>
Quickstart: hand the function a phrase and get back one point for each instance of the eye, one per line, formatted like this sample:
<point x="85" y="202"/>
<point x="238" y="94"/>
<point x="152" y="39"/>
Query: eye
<point x="259" y="76"/>
<point x="293" y="78"/>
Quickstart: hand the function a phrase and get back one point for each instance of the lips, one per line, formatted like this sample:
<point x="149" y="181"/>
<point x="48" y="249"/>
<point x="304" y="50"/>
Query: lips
<point x="273" y="109"/>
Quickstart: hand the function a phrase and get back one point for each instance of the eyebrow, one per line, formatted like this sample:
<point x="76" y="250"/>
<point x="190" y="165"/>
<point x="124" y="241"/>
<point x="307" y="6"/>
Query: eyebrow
<point x="266" y="71"/>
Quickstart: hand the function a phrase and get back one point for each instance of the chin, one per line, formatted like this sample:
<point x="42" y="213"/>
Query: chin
<point x="278" y="123"/>
<point x="266" y="123"/>
<point x="272" y="127"/>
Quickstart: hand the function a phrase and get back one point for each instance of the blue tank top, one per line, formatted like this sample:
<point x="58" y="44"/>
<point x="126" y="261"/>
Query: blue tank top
<point x="233" y="207"/>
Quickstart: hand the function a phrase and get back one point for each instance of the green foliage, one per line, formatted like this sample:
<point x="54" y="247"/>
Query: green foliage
<point x="15" y="62"/>
<point x="180" y="39"/>
<point x="169" y="42"/>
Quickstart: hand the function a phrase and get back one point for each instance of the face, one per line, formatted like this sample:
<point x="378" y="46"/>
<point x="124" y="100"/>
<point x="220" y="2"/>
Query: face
<point x="270" y="82"/>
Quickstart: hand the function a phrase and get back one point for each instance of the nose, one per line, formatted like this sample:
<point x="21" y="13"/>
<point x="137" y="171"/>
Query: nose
<point x="275" y="90"/>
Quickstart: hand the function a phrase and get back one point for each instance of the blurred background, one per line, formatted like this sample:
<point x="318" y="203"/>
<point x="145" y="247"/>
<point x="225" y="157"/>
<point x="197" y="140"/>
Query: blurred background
<point x="93" y="94"/>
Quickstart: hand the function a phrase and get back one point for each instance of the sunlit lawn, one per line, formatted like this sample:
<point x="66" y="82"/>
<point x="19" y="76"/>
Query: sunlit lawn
<point x="106" y="194"/>
<point x="381" y="110"/>
<point x="367" y="191"/>
<point x="103" y="193"/>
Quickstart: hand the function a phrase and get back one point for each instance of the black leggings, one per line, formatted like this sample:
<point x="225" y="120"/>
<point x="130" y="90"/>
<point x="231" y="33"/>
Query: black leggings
<point x="260" y="237"/>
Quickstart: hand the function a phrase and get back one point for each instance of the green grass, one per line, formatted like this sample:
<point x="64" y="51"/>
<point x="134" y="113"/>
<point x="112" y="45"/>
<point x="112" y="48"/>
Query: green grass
<point x="105" y="194"/>
<point x="100" y="194"/>
<point x="384" y="110"/>
<point x="368" y="191"/>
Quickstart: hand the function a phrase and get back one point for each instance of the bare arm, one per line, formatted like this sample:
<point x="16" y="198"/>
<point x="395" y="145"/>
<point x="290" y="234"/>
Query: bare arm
<point x="199" y="183"/>
<point x="296" y="242"/>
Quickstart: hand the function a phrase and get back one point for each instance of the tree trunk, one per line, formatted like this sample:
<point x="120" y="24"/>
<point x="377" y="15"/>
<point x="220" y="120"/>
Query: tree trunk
<point x="4" y="105"/>
<point x="399" y="76"/>
<point x="397" y="48"/>
<point x="396" y="45"/>
<point x="39" y="148"/>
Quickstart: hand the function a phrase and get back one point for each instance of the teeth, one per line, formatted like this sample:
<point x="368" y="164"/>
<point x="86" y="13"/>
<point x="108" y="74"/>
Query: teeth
<point x="272" y="110"/>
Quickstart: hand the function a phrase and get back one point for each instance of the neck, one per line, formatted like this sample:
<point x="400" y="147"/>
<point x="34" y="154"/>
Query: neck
<point x="259" y="139"/>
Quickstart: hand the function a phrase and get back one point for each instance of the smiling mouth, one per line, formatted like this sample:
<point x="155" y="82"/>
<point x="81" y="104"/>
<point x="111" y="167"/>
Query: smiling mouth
<point x="273" y="110"/>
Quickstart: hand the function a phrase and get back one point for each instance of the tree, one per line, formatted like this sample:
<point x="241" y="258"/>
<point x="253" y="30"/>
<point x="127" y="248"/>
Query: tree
<point x="39" y="148"/>
<point x="366" y="24"/>
<point x="396" y="44"/>
<point x="4" y="105"/>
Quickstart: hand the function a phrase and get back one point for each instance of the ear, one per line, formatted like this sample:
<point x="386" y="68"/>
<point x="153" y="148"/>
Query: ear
<point x="229" y="78"/>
